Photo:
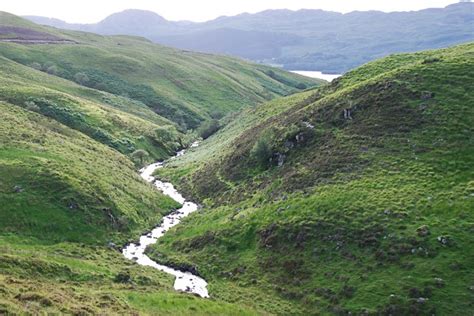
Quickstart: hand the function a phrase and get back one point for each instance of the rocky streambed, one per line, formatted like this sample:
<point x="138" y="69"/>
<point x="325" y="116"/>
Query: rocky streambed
<point x="185" y="281"/>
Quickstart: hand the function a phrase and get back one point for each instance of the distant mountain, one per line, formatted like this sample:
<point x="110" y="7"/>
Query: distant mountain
<point x="304" y="39"/>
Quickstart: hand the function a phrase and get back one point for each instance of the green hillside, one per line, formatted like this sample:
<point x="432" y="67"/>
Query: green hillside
<point x="125" y="91"/>
<point x="370" y="210"/>
<point x="68" y="204"/>
<point x="182" y="86"/>
<point x="76" y="109"/>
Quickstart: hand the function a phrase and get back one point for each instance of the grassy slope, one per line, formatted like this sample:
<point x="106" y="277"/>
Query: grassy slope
<point x="65" y="195"/>
<point x="58" y="214"/>
<point x="131" y="86"/>
<point x="354" y="218"/>
<point x="183" y="86"/>
<point x="118" y="122"/>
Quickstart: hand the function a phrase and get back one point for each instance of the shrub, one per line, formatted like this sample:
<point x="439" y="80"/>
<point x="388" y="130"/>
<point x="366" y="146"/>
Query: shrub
<point x="140" y="155"/>
<point x="81" y="78"/>
<point x="301" y="86"/>
<point x="32" y="106"/>
<point x="36" y="66"/>
<point x="261" y="152"/>
<point x="271" y="73"/>
<point x="52" y="70"/>
<point x="208" y="128"/>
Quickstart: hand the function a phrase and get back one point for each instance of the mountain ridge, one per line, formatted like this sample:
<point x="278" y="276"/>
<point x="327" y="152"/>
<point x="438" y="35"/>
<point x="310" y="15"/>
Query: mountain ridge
<point x="362" y="35"/>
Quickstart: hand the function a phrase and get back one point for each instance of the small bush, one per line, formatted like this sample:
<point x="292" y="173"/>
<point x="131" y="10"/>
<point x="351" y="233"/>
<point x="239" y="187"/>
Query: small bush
<point x="208" y="128"/>
<point x="140" y="155"/>
<point x="81" y="78"/>
<point x="31" y="106"/>
<point x="261" y="152"/>
<point x="36" y="66"/>
<point x="301" y="86"/>
<point x="52" y="70"/>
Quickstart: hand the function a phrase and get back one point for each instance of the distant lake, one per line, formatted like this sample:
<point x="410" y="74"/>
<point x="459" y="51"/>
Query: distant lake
<point x="316" y="74"/>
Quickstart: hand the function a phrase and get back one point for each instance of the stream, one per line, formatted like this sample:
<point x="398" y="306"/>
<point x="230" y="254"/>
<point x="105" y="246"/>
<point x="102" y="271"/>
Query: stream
<point x="185" y="281"/>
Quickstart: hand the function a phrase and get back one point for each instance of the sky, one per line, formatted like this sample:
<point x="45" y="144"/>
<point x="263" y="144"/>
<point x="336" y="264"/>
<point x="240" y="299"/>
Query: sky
<point x="91" y="11"/>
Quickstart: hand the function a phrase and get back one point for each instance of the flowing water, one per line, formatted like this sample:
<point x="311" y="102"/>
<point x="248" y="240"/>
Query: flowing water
<point x="185" y="281"/>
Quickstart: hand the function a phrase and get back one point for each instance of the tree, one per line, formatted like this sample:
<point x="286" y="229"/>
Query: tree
<point x="261" y="152"/>
<point x="140" y="155"/>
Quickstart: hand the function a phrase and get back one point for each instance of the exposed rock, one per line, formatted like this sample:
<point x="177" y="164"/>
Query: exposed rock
<point x="423" y="231"/>
<point x="347" y="113"/>
<point x="426" y="95"/>
<point x="439" y="282"/>
<point x="73" y="205"/>
<point x="308" y="125"/>
<point x="289" y="144"/>
<point x="17" y="189"/>
<point x="445" y="240"/>
<point x="279" y="159"/>
<point x="299" y="138"/>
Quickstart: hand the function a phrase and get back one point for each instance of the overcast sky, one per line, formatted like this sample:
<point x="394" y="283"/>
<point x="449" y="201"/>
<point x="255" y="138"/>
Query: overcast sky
<point x="90" y="11"/>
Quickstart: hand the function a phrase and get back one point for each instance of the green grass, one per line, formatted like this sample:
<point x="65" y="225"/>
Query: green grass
<point x="339" y="227"/>
<point x="135" y="95"/>
<point x="182" y="86"/>
<point x="70" y="194"/>
<point x="73" y="278"/>
<point x="60" y="211"/>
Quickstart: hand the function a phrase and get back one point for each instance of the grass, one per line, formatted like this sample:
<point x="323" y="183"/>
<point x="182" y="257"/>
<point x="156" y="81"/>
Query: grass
<point x="368" y="215"/>
<point x="74" y="278"/>
<point x="183" y="86"/>
<point x="128" y="93"/>
<point x="70" y="196"/>
<point x="64" y="220"/>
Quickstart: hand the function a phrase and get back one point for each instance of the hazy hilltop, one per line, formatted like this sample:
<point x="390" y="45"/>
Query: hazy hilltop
<point x="304" y="39"/>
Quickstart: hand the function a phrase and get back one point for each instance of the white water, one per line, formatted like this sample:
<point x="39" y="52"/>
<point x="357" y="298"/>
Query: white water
<point x="185" y="281"/>
<point x="316" y="74"/>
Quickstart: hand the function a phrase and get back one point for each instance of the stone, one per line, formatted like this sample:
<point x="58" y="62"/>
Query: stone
<point x="347" y="113"/>
<point x="308" y="125"/>
<point x="17" y="189"/>
<point x="289" y="144"/>
<point x="280" y="159"/>
<point x="299" y="138"/>
<point x="439" y="282"/>
<point x="426" y="95"/>
<point x="421" y="300"/>
<point x="423" y="231"/>
<point x="445" y="240"/>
